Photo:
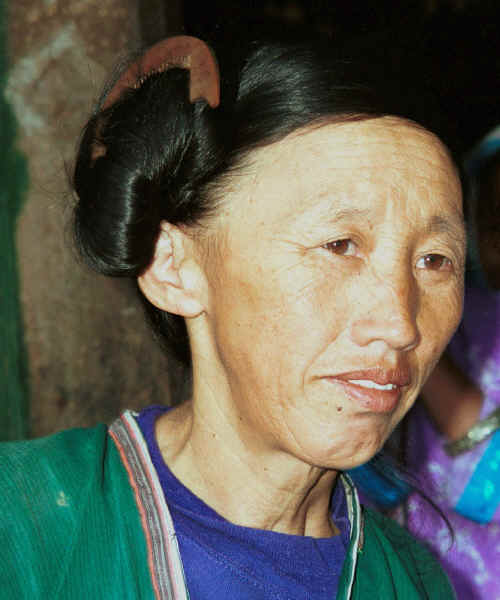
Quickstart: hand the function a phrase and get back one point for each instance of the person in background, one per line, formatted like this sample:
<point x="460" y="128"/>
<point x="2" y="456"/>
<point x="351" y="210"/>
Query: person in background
<point x="295" y="226"/>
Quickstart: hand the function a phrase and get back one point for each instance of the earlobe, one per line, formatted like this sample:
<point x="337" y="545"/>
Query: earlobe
<point x="168" y="282"/>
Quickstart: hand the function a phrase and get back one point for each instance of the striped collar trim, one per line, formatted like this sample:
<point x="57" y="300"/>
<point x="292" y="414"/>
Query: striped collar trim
<point x="165" y="565"/>
<point x="356" y="521"/>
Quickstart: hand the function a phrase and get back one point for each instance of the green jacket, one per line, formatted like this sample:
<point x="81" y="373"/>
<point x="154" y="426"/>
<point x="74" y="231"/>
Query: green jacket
<point x="83" y="516"/>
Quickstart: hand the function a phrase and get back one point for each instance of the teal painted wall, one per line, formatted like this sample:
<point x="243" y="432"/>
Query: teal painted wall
<point x="13" y="184"/>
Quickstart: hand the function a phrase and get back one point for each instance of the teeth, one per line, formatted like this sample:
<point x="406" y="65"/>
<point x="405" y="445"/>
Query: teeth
<point x="367" y="383"/>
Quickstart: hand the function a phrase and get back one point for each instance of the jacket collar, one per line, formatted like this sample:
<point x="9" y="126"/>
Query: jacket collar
<point x="165" y="564"/>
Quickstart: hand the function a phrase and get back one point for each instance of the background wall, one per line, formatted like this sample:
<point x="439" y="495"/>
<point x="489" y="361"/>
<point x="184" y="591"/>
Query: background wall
<point x="90" y="354"/>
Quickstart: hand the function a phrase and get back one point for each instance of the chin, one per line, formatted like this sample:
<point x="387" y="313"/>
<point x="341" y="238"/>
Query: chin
<point x="341" y="456"/>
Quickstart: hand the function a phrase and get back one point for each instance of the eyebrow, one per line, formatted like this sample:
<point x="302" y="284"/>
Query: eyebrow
<point x="454" y="227"/>
<point x="345" y="214"/>
<point x="437" y="224"/>
<point x="440" y="224"/>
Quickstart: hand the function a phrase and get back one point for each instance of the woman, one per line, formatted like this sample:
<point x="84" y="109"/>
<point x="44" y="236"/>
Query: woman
<point x="300" y="241"/>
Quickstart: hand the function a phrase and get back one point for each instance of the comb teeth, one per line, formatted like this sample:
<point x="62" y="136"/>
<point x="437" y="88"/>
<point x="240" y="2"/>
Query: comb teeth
<point x="163" y="67"/>
<point x="145" y="77"/>
<point x="184" y="52"/>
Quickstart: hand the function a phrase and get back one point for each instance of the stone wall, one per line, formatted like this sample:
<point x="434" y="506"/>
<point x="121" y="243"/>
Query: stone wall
<point x="90" y="353"/>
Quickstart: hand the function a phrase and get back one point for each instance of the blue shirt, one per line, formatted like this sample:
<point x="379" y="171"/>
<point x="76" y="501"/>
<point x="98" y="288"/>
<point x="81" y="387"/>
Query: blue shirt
<point x="222" y="560"/>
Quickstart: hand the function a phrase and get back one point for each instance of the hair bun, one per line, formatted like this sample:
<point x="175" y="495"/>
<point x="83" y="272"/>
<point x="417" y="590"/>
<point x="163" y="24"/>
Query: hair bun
<point x="128" y="173"/>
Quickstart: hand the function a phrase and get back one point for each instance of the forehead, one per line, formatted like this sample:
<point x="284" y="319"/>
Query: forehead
<point x="366" y="164"/>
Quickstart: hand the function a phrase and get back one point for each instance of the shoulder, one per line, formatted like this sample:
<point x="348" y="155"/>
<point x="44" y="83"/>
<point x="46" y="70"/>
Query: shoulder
<point x="48" y="480"/>
<point x="414" y="571"/>
<point x="65" y="499"/>
<point x="69" y="455"/>
<point x="390" y="533"/>
<point x="55" y="492"/>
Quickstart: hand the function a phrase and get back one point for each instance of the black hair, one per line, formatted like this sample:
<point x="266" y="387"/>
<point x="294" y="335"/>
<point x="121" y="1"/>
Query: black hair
<point x="155" y="156"/>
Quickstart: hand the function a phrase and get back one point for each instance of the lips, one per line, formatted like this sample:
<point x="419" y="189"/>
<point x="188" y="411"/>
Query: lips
<point x="376" y="389"/>
<point x="399" y="376"/>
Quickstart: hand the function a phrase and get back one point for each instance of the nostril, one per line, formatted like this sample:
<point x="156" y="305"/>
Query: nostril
<point x="404" y="336"/>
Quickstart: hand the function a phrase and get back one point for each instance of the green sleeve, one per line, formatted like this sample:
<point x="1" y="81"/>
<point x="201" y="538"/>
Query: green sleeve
<point x="393" y="565"/>
<point x="69" y="525"/>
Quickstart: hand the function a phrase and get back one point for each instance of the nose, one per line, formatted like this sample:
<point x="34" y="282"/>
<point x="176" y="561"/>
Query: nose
<point x="388" y="314"/>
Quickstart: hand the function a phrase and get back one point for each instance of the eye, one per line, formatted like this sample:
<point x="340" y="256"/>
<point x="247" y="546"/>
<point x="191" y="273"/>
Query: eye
<point x="344" y="247"/>
<point x="434" y="262"/>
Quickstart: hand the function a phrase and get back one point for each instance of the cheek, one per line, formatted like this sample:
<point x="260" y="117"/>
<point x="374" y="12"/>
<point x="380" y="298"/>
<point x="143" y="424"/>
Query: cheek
<point x="250" y="318"/>
<point x="451" y="310"/>
<point x="314" y="308"/>
<point x="439" y="318"/>
<point x="272" y="331"/>
<point x="284" y="302"/>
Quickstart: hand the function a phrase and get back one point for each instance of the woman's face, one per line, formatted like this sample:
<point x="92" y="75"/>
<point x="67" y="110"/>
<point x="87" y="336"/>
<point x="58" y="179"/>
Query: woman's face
<point x="336" y="285"/>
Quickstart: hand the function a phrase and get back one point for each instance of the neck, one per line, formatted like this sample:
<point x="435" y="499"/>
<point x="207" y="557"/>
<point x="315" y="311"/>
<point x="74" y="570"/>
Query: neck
<point x="245" y="481"/>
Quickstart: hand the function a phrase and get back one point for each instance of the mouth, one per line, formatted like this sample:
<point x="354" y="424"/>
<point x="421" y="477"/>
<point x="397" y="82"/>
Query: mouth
<point x="372" y="385"/>
<point x="375" y="390"/>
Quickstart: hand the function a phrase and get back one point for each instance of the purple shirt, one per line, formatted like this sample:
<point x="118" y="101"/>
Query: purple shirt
<point x="222" y="560"/>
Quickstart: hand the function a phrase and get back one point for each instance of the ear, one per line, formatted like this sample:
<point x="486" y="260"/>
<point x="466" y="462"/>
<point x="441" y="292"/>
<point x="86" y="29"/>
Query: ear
<point x="172" y="281"/>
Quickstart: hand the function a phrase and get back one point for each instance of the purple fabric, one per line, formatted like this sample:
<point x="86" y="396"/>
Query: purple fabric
<point x="473" y="562"/>
<point x="222" y="560"/>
